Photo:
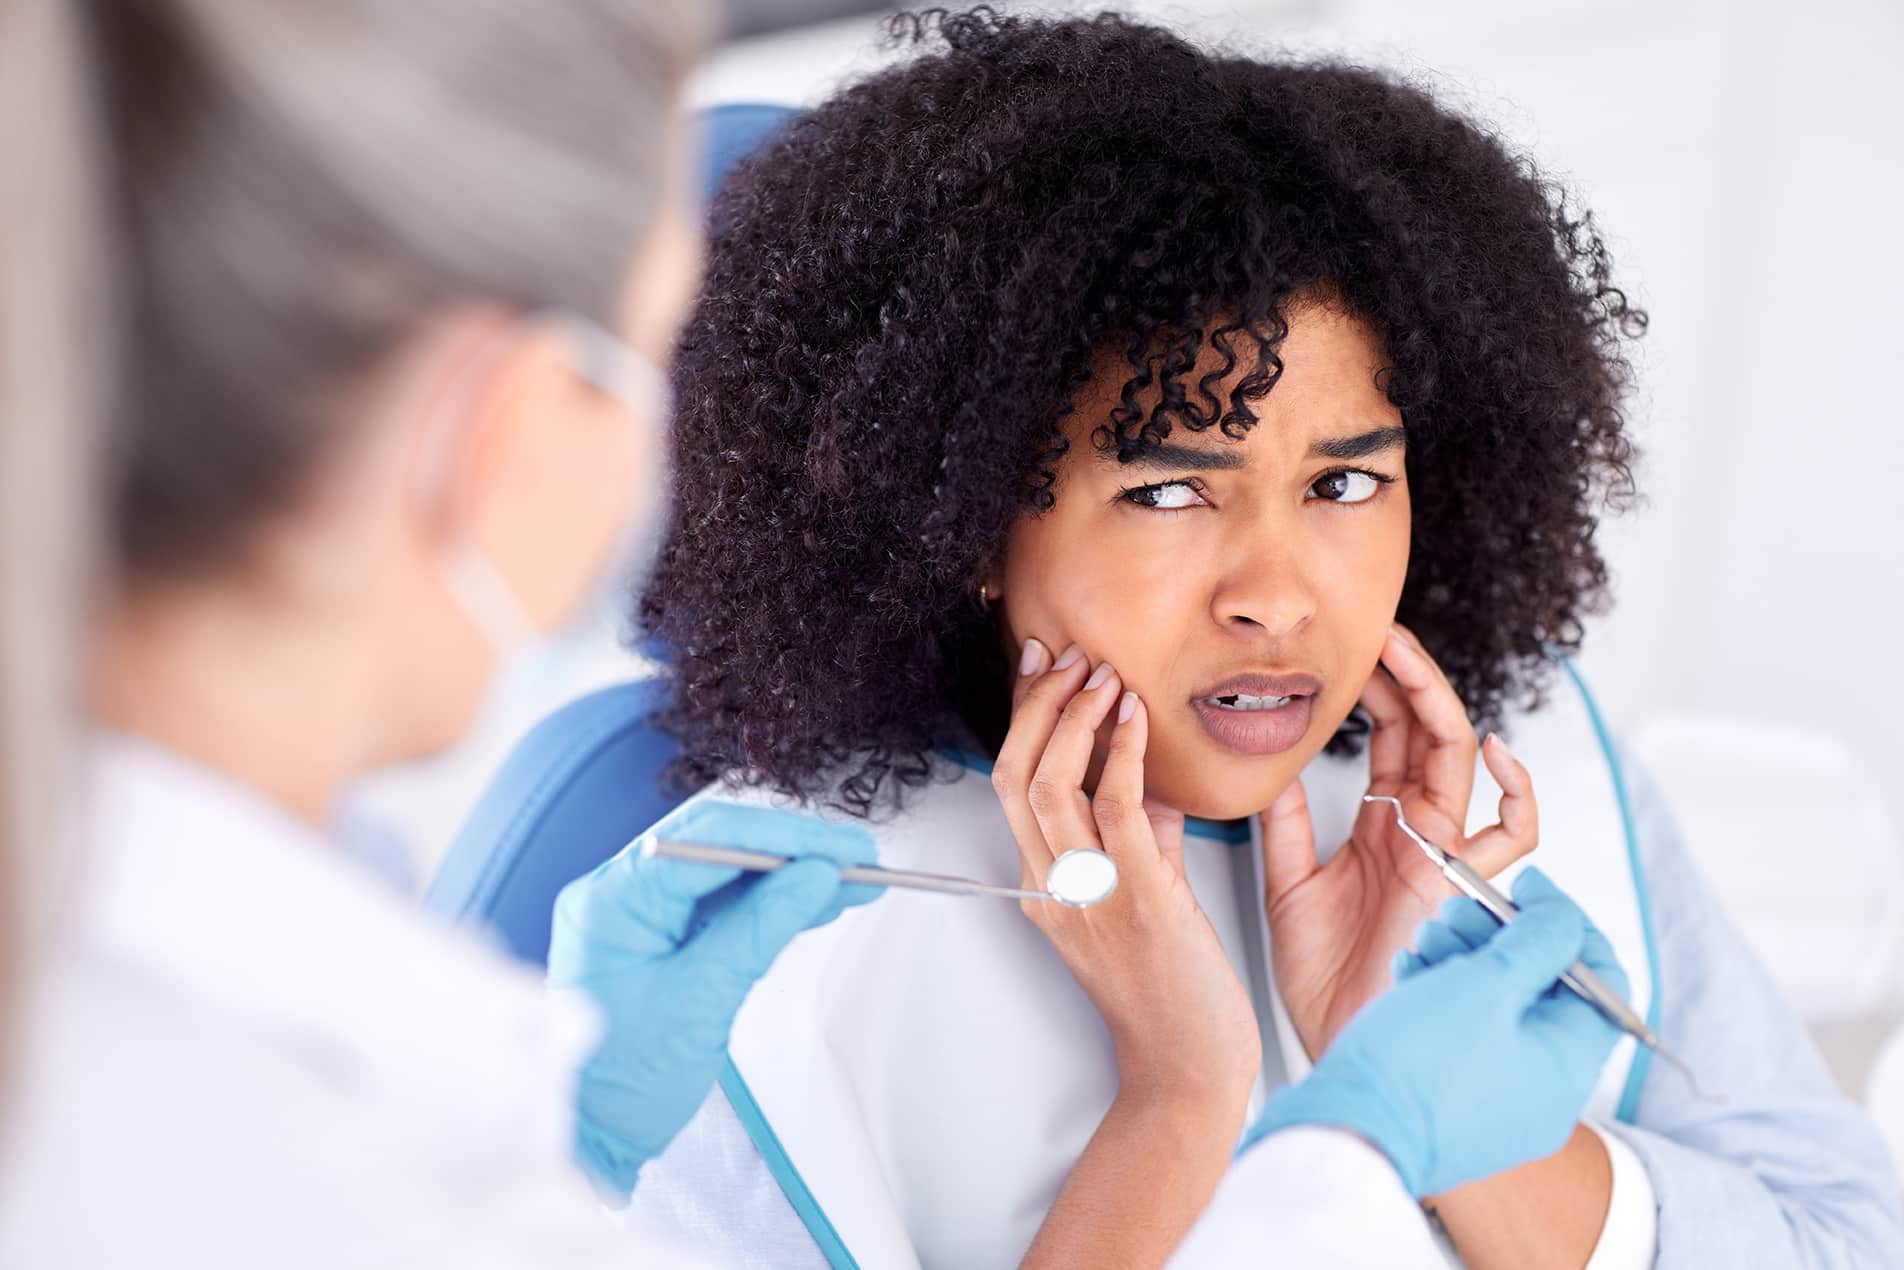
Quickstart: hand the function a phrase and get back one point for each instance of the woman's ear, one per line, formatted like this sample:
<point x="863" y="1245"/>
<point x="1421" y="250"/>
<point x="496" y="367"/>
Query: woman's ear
<point x="991" y="585"/>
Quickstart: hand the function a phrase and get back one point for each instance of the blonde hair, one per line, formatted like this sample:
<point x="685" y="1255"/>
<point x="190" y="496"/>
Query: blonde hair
<point x="220" y="210"/>
<point x="299" y="184"/>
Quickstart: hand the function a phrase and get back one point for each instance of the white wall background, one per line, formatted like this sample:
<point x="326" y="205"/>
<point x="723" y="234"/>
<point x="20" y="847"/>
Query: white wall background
<point x="1743" y="160"/>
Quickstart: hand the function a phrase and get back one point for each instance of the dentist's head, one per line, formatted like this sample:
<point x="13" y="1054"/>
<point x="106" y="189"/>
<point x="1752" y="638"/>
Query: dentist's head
<point x="393" y="279"/>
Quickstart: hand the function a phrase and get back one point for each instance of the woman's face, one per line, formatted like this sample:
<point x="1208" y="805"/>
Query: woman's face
<point x="1220" y="577"/>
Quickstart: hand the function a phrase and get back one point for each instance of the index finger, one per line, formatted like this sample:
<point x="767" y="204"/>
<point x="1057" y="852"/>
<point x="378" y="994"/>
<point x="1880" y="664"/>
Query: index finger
<point x="1448" y="737"/>
<point x="1117" y="808"/>
<point x="1033" y="660"/>
<point x="1038" y="698"/>
<point x="1391" y="723"/>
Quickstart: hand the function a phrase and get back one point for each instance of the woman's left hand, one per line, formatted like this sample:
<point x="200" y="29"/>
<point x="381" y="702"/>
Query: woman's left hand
<point x="1335" y="928"/>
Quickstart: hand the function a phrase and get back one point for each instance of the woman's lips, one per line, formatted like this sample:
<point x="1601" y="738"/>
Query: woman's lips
<point x="1263" y="684"/>
<point x="1256" y="731"/>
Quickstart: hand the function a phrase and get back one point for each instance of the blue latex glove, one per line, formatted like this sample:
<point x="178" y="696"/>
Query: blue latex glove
<point x="669" y="949"/>
<point x="1476" y="1060"/>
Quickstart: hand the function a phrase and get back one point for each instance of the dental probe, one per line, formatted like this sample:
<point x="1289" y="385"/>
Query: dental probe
<point x="1579" y="977"/>
<point x="1078" y="878"/>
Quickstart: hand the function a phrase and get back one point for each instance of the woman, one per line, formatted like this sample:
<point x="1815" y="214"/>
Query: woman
<point x="1070" y="390"/>
<point x="389" y="282"/>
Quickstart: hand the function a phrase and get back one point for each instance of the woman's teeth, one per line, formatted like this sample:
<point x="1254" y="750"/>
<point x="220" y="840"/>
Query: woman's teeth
<point x="1242" y="701"/>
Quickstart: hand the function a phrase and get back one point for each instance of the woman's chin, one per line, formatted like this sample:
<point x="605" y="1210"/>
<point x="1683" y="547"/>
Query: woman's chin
<point x="1218" y="786"/>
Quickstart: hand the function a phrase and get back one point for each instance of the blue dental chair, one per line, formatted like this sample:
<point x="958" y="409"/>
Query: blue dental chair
<point x="584" y="781"/>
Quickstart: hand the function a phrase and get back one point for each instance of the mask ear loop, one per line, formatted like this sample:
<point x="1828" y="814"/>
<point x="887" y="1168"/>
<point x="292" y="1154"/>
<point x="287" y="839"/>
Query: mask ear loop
<point x="606" y="362"/>
<point x="488" y="601"/>
<point x="472" y="580"/>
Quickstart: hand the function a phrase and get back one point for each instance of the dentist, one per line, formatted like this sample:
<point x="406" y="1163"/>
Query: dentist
<point x="385" y="289"/>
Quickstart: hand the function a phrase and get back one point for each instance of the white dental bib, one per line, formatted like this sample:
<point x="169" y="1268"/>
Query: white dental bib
<point x="922" y="1074"/>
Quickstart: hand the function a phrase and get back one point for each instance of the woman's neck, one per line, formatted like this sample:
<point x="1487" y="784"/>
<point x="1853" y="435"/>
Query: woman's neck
<point x="275" y="700"/>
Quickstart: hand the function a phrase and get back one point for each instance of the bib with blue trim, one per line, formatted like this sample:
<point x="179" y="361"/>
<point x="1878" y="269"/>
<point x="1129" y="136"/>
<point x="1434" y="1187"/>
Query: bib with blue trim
<point x="922" y="1074"/>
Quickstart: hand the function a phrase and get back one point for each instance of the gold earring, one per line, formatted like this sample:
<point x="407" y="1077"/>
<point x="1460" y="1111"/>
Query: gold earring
<point x="985" y="594"/>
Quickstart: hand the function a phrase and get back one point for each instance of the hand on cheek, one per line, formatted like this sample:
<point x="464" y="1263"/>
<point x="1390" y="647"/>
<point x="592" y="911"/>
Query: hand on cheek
<point x="1034" y="659"/>
<point x="1336" y="926"/>
<point x="1147" y="957"/>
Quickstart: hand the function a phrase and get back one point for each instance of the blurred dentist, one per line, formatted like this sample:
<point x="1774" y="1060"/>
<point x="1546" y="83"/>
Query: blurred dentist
<point x="388" y="280"/>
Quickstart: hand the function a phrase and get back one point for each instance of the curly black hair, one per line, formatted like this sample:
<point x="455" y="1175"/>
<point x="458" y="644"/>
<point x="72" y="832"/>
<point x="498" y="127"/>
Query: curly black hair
<point x="904" y="294"/>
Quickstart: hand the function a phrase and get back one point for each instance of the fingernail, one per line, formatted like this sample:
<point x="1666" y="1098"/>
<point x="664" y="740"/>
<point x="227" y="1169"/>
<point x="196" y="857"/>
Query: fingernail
<point x="1033" y="659"/>
<point x="1127" y="707"/>
<point x="1070" y="658"/>
<point x="1098" y="676"/>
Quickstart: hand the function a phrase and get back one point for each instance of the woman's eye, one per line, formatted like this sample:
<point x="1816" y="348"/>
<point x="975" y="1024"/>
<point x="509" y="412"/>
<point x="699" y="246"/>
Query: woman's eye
<point x="1166" y="496"/>
<point x="1348" y="486"/>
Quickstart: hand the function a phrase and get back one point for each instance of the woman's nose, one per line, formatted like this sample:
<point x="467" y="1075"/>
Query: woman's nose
<point x="1266" y="590"/>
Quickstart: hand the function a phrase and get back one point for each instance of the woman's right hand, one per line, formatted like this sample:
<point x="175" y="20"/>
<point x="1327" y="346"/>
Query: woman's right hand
<point x="1185" y="1038"/>
<point x="1147" y="957"/>
<point x="1179" y="1019"/>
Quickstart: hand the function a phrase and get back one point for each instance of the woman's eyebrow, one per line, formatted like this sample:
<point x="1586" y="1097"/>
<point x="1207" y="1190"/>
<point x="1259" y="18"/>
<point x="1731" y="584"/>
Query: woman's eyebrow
<point x="1171" y="457"/>
<point x="1359" y="447"/>
<point x="1168" y="456"/>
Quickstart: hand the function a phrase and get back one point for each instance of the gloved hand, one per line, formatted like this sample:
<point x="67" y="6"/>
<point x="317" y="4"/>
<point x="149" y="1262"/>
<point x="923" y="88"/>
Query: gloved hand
<point x="668" y="950"/>
<point x="1476" y="1060"/>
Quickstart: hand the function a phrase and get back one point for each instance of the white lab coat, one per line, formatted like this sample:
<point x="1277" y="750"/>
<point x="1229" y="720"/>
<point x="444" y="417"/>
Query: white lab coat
<point x="250" y="1052"/>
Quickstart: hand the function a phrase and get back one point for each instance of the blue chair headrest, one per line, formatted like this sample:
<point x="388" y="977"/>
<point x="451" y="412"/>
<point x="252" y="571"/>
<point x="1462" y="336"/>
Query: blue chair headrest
<point x="730" y="133"/>
<point x="581" y="785"/>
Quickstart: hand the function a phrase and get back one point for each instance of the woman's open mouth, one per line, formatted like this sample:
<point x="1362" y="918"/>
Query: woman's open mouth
<point x="1258" y="714"/>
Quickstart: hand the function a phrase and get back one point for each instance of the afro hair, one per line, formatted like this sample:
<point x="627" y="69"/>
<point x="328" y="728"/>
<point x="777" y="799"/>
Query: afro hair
<point x="906" y="289"/>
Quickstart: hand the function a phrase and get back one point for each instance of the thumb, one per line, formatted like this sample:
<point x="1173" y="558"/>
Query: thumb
<point x="771" y="829"/>
<point x="743" y="939"/>
<point x="1289" y="842"/>
<point x="1166" y="829"/>
<point x="1532" y="886"/>
<point x="1528" y="954"/>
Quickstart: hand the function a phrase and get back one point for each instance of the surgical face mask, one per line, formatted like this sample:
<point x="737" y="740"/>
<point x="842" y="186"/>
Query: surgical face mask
<point x="614" y="367"/>
<point x="388" y="817"/>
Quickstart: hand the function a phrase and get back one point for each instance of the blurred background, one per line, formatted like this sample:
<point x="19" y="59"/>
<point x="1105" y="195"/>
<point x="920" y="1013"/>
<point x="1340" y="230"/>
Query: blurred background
<point x="1742" y="160"/>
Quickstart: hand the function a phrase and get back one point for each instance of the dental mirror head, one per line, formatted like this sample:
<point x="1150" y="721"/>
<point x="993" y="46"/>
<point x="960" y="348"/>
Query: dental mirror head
<point x="1081" y="877"/>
